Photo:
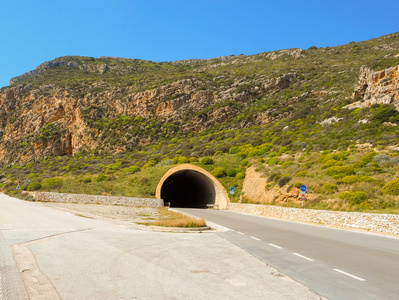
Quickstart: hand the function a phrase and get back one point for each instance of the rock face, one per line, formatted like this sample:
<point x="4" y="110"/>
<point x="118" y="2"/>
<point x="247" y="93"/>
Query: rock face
<point x="52" y="120"/>
<point x="380" y="87"/>
<point x="254" y="189"/>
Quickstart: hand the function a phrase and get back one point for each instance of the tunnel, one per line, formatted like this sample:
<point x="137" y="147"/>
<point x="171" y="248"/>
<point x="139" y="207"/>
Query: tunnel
<point x="190" y="186"/>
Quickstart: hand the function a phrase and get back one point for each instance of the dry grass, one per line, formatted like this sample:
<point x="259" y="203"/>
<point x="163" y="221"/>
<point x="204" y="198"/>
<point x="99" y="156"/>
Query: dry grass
<point x="174" y="219"/>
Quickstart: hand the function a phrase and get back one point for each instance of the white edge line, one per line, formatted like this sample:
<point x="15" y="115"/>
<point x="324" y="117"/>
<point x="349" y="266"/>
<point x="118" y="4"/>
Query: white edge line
<point x="275" y="246"/>
<point x="302" y="256"/>
<point x="348" y="274"/>
<point x="255" y="238"/>
<point x="239" y="232"/>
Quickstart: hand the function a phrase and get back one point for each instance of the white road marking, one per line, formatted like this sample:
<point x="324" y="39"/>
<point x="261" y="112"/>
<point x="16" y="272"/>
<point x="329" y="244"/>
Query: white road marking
<point x="239" y="232"/>
<point x="275" y="246"/>
<point x="304" y="257"/>
<point x="255" y="238"/>
<point x="348" y="274"/>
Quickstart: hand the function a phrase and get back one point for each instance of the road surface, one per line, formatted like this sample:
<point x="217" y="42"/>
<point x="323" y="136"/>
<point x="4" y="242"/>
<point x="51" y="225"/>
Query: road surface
<point x="70" y="255"/>
<point x="337" y="264"/>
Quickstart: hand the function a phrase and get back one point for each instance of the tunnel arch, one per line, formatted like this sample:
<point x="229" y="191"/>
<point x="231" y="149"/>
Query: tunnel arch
<point x="191" y="186"/>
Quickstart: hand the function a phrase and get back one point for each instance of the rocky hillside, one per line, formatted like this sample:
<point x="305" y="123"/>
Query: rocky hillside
<point x="326" y="98"/>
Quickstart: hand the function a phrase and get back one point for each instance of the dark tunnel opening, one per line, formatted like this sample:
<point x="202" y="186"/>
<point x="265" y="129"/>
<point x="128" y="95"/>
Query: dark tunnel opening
<point x="188" y="188"/>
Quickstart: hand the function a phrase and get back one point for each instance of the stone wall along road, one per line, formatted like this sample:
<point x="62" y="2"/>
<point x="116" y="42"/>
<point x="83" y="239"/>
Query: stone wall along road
<point x="381" y="223"/>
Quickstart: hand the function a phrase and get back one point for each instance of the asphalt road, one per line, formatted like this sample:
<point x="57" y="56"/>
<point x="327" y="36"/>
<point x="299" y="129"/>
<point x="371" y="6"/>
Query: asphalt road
<point x="71" y="255"/>
<point x="337" y="264"/>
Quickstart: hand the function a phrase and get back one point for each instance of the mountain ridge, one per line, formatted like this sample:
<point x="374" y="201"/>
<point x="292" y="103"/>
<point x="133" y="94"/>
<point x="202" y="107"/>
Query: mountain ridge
<point x="75" y="103"/>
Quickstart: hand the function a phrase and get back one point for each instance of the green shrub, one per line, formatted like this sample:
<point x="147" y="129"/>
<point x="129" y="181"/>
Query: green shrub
<point x="183" y="160"/>
<point x="286" y="164"/>
<point x="365" y="159"/>
<point x="207" y="160"/>
<point x="348" y="170"/>
<point x="150" y="163"/>
<point x="131" y="170"/>
<point x="34" y="186"/>
<point x="231" y="172"/>
<point x="297" y="184"/>
<point x="51" y="183"/>
<point x="356" y="178"/>
<point x="284" y="180"/>
<point x="330" y="187"/>
<point x="219" y="153"/>
<point x="272" y="161"/>
<point x="330" y="163"/>
<point x="219" y="172"/>
<point x="193" y="159"/>
<point x="244" y="162"/>
<point x="101" y="177"/>
<point x="391" y="188"/>
<point x="240" y="175"/>
<point x="354" y="197"/>
<point x="338" y="156"/>
<point x="233" y="150"/>
<point x="301" y="174"/>
<point x="86" y="180"/>
<point x="384" y="113"/>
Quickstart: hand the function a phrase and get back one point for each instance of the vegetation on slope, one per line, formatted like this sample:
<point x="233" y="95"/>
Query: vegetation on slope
<point x="289" y="144"/>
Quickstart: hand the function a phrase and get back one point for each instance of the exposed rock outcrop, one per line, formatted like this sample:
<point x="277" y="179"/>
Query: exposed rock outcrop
<point x="376" y="87"/>
<point x="53" y="120"/>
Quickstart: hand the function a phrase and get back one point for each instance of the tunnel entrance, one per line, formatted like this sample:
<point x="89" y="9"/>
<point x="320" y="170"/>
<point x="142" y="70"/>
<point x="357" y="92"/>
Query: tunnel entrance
<point x="191" y="186"/>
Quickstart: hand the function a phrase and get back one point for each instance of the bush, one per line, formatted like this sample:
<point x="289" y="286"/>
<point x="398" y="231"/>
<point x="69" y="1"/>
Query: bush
<point x="240" y="175"/>
<point x="384" y="113"/>
<point x="207" y="160"/>
<point x="381" y="158"/>
<point x="219" y="172"/>
<point x="86" y="180"/>
<point x="231" y="172"/>
<point x="301" y="174"/>
<point x="101" y="177"/>
<point x="131" y="170"/>
<point x="233" y="150"/>
<point x="193" y="159"/>
<point x="286" y="164"/>
<point x="348" y="170"/>
<point x="297" y="184"/>
<point x="150" y="163"/>
<point x="183" y="160"/>
<point x="284" y="180"/>
<point x="356" y="178"/>
<point x="365" y="159"/>
<point x="391" y="188"/>
<point x="354" y="197"/>
<point x="330" y="163"/>
<point x="329" y="187"/>
<point x="272" y="161"/>
<point x="244" y="162"/>
<point x="34" y="186"/>
<point x="51" y="183"/>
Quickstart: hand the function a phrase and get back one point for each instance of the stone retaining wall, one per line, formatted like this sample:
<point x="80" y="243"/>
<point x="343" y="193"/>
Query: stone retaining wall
<point x="97" y="199"/>
<point x="384" y="223"/>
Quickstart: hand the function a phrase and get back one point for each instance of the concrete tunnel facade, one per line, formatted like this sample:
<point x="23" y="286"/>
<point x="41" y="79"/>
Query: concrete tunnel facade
<point x="191" y="186"/>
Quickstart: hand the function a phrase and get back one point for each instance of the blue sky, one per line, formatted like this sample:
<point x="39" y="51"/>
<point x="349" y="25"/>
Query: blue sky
<point x="33" y="32"/>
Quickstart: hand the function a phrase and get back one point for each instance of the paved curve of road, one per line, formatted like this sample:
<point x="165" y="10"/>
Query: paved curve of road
<point x="71" y="255"/>
<point x="338" y="264"/>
